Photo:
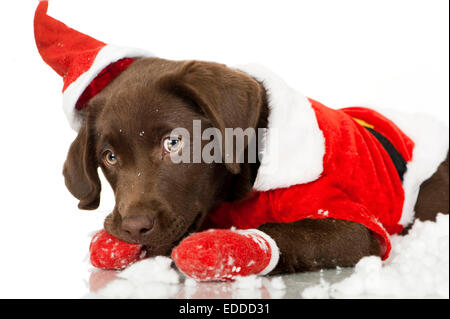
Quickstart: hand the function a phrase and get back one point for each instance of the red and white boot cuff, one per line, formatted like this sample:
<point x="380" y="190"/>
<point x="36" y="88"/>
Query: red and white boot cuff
<point x="224" y="254"/>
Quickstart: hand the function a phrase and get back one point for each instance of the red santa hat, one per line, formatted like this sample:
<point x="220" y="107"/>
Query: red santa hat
<point x="86" y="64"/>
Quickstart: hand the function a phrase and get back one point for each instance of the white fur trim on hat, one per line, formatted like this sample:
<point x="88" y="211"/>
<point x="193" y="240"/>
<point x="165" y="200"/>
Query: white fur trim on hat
<point x="107" y="55"/>
<point x="294" y="145"/>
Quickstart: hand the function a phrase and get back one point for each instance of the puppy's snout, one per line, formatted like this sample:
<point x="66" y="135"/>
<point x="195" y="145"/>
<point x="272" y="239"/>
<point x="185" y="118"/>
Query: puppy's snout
<point x="137" y="226"/>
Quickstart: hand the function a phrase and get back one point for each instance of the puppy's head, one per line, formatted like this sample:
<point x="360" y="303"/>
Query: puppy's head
<point x="127" y="133"/>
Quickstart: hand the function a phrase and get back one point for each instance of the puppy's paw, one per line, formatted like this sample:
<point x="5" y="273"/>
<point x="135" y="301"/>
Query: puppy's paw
<point x="108" y="252"/>
<point x="224" y="254"/>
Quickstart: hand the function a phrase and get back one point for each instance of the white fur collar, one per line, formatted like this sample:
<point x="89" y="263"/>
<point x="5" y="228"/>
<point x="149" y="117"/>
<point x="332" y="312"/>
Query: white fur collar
<point x="294" y="145"/>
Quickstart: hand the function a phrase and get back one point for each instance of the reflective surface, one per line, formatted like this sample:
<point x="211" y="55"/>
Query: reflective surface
<point x="295" y="284"/>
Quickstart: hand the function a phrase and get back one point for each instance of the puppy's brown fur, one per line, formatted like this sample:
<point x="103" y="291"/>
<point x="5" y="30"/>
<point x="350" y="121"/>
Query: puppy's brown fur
<point x="131" y="118"/>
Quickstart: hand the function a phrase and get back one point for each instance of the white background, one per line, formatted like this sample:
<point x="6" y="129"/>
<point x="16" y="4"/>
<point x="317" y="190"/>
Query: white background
<point x="389" y="54"/>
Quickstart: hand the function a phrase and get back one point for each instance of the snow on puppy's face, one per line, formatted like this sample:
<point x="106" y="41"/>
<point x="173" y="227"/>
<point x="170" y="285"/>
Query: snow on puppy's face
<point x="127" y="131"/>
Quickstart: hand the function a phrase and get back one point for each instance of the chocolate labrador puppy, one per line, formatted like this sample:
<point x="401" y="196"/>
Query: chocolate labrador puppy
<point x="126" y="132"/>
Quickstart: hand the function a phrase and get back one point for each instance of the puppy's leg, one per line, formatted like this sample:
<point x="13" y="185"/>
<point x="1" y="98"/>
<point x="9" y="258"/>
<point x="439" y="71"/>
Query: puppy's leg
<point x="313" y="244"/>
<point x="309" y="244"/>
<point x="434" y="194"/>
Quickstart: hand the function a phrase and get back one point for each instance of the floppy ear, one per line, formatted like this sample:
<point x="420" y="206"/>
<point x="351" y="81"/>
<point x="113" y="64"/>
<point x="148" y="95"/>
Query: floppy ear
<point x="229" y="98"/>
<point x="80" y="170"/>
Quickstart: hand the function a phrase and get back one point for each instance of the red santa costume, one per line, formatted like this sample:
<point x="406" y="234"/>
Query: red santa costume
<point x="319" y="162"/>
<point x="316" y="162"/>
<point x="324" y="163"/>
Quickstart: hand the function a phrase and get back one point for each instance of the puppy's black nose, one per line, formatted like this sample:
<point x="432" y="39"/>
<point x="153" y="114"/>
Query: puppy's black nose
<point x="137" y="226"/>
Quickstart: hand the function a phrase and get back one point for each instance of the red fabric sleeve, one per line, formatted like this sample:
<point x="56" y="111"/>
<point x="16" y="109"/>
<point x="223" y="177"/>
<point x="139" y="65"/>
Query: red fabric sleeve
<point x="321" y="200"/>
<point x="250" y="212"/>
<point x="347" y="210"/>
<point x="314" y="200"/>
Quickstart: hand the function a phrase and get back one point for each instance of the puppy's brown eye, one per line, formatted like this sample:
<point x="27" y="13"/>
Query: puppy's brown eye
<point x="172" y="145"/>
<point x="109" y="158"/>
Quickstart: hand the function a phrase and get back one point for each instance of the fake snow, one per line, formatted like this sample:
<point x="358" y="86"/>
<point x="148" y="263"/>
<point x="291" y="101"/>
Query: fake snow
<point x="157" y="269"/>
<point x="189" y="282"/>
<point x="257" y="282"/>
<point x="155" y="278"/>
<point x="276" y="283"/>
<point x="256" y="287"/>
<point x="418" y="267"/>
<point x="247" y="282"/>
<point x="319" y="291"/>
<point x="322" y="212"/>
<point x="148" y="278"/>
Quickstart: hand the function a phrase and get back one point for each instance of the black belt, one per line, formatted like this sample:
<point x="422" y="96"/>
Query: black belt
<point x="396" y="157"/>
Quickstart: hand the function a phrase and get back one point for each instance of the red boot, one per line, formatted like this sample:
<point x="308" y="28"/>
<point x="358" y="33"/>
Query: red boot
<point x="224" y="254"/>
<point x="108" y="252"/>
